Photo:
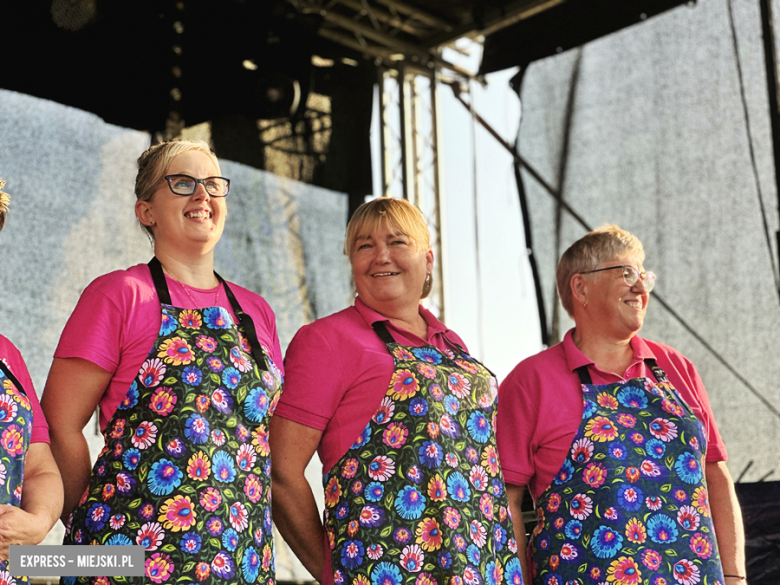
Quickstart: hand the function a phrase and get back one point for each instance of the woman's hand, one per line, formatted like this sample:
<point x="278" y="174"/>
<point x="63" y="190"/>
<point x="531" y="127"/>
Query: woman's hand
<point x="294" y="509"/>
<point x="41" y="502"/>
<point x="72" y="392"/>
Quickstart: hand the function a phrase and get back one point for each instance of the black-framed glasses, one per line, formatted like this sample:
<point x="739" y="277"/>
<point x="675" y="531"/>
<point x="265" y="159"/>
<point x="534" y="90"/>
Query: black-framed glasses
<point x="631" y="276"/>
<point x="186" y="185"/>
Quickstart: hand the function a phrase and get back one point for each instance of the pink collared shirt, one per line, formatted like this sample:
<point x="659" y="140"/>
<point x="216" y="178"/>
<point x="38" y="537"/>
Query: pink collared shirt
<point x="13" y="360"/>
<point x="540" y="406"/>
<point x="337" y="371"/>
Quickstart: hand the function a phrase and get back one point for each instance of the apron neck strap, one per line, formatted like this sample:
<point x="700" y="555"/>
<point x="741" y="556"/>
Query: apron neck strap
<point x="659" y="374"/>
<point x="381" y="330"/>
<point x="161" y="286"/>
<point x="11" y="377"/>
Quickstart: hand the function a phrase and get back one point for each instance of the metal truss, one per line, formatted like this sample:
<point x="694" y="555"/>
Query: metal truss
<point x="409" y="135"/>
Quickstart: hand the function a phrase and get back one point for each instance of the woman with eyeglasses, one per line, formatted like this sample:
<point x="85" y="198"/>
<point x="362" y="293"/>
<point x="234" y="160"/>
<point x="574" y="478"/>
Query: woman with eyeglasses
<point x="615" y="439"/>
<point x="30" y="484"/>
<point x="186" y="371"/>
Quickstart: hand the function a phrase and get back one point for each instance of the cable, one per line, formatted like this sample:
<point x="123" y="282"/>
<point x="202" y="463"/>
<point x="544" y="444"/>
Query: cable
<point x="753" y="163"/>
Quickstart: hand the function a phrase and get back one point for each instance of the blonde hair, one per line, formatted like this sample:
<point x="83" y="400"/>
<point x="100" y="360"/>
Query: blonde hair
<point x="153" y="164"/>
<point x="5" y="200"/>
<point x="398" y="213"/>
<point x="600" y="245"/>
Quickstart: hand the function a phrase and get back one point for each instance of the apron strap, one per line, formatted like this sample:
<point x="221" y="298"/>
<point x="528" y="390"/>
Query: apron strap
<point x="381" y="330"/>
<point x="13" y="378"/>
<point x="248" y="325"/>
<point x="158" y="277"/>
<point x="659" y="374"/>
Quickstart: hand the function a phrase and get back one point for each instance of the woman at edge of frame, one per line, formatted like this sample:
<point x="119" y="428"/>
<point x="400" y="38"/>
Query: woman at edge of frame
<point x="402" y="418"/>
<point x="182" y="366"/>
<point x="30" y="483"/>
<point x="615" y="460"/>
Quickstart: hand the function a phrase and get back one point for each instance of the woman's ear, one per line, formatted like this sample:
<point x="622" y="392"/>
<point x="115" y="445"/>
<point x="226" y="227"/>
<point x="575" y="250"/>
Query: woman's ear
<point x="145" y="213"/>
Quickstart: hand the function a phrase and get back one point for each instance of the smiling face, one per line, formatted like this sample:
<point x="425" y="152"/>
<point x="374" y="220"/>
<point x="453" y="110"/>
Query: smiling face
<point x="185" y="223"/>
<point x="389" y="269"/>
<point x="617" y="309"/>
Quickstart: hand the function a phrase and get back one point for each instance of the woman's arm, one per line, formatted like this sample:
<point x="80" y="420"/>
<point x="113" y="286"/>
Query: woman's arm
<point x="72" y="392"/>
<point x="727" y="518"/>
<point x="294" y="509"/>
<point x="41" y="502"/>
<point x="515" y="494"/>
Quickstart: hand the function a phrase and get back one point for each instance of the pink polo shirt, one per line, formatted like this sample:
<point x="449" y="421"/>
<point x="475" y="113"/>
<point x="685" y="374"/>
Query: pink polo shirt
<point x="337" y="371"/>
<point x="117" y="320"/>
<point x="13" y="360"/>
<point x="540" y="406"/>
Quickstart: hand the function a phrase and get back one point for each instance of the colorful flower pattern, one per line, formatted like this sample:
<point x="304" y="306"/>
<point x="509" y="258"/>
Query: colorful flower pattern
<point x="17" y="420"/>
<point x="627" y="506"/>
<point x="419" y="499"/>
<point x="188" y="479"/>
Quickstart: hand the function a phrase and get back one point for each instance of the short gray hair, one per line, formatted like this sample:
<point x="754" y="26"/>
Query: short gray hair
<point x="600" y="245"/>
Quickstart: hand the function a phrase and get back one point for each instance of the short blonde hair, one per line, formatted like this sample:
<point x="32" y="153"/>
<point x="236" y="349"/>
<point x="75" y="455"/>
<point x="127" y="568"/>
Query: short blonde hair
<point x="398" y="213"/>
<point x="600" y="245"/>
<point x="5" y="200"/>
<point x="153" y="164"/>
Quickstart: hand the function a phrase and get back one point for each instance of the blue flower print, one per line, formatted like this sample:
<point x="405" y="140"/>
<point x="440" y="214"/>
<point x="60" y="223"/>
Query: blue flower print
<point x="418" y="406"/>
<point x="588" y="409"/>
<point x="192" y="376"/>
<point x="256" y="404"/>
<point x="630" y="497"/>
<point x="617" y="450"/>
<point x="250" y="564"/>
<point x="164" y="477"/>
<point x="410" y="503"/>
<point x="451" y="404"/>
<point x="661" y="529"/>
<point x="230" y="539"/>
<point x="573" y="529"/>
<point x="196" y="429"/>
<point x="688" y="468"/>
<point x="513" y="572"/>
<point x="222" y="466"/>
<point x="97" y="516"/>
<point x="342" y="509"/>
<point x="606" y="542"/>
<point x="386" y="574"/>
<point x="490" y="573"/>
<point x="430" y="454"/>
<point x="427" y="354"/>
<point x="499" y="537"/>
<point x="119" y="540"/>
<point x="472" y="554"/>
<point x="352" y="554"/>
<point x="131" y="398"/>
<point x="168" y="324"/>
<point x="231" y="377"/>
<point x="374" y="491"/>
<point x="363" y="438"/>
<point x="445" y="560"/>
<point x="479" y="427"/>
<point x="632" y="397"/>
<point x="458" y="487"/>
<point x="190" y="543"/>
<point x="565" y="474"/>
<point x="217" y="318"/>
<point x="655" y="448"/>
<point x="131" y="458"/>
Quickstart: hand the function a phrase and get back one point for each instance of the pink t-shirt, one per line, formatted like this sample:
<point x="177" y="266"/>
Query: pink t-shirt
<point x="13" y="360"/>
<point x="118" y="317"/>
<point x="540" y="406"/>
<point x="337" y="371"/>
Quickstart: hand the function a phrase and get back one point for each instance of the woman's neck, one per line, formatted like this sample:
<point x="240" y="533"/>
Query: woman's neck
<point x="608" y="353"/>
<point x="197" y="271"/>
<point x="408" y="319"/>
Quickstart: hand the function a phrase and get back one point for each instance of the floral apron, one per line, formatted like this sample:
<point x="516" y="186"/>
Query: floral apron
<point x="185" y="470"/>
<point x="16" y="419"/>
<point x="419" y="498"/>
<point x="629" y="505"/>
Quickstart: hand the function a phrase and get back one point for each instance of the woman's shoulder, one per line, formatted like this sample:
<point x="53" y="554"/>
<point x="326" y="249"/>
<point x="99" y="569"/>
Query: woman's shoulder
<point x="250" y="301"/>
<point x="8" y="350"/>
<point x="336" y="330"/>
<point x="133" y="279"/>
